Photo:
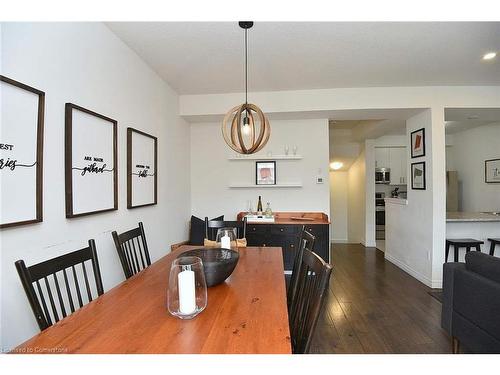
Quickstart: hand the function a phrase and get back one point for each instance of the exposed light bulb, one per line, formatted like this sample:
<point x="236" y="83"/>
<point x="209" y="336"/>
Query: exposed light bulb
<point x="245" y="129"/>
<point x="336" y="165"/>
<point x="489" y="56"/>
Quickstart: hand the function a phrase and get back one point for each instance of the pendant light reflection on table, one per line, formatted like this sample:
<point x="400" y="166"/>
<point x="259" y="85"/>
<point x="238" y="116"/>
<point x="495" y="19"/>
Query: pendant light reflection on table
<point x="187" y="287"/>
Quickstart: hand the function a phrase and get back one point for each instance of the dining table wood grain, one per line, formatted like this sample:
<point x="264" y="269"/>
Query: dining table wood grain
<point x="247" y="314"/>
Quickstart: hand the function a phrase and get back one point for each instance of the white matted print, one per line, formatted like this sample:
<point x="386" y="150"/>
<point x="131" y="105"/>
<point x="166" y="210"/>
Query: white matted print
<point x="418" y="176"/>
<point x="21" y="153"/>
<point x="492" y="171"/>
<point x="265" y="173"/>
<point x="141" y="169"/>
<point x="91" y="162"/>
<point x="418" y="143"/>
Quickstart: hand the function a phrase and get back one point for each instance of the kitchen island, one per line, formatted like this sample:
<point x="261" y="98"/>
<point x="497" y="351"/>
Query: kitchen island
<point x="477" y="225"/>
<point x="285" y="231"/>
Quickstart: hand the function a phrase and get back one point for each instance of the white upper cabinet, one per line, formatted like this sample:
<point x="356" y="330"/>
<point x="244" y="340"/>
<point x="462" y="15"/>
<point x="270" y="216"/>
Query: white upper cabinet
<point x="382" y="158"/>
<point x="397" y="163"/>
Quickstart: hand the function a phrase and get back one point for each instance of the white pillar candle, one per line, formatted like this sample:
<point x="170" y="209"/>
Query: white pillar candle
<point x="187" y="294"/>
<point x="225" y="242"/>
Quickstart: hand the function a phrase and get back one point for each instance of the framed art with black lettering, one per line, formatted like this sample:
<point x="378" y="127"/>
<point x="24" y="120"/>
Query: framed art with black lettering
<point x="21" y="153"/>
<point x="91" y="162"/>
<point x="142" y="171"/>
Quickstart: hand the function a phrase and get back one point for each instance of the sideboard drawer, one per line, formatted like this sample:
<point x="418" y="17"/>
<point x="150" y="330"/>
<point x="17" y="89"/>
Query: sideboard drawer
<point x="285" y="229"/>
<point x="256" y="228"/>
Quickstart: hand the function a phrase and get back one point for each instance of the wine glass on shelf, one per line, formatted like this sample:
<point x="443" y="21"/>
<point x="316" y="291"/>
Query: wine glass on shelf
<point x="287" y="150"/>
<point x="295" y="148"/>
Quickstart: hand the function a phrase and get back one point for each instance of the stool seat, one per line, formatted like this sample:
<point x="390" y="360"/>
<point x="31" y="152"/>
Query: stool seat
<point x="457" y="243"/>
<point x="494" y="243"/>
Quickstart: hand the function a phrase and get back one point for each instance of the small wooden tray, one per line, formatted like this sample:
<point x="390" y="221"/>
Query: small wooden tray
<point x="302" y="218"/>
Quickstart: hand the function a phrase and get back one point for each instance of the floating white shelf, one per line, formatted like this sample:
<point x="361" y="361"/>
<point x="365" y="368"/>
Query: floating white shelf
<point x="275" y="157"/>
<point x="250" y="186"/>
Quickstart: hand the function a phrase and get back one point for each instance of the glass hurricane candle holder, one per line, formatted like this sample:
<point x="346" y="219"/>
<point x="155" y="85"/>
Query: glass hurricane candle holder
<point x="225" y="237"/>
<point x="187" y="287"/>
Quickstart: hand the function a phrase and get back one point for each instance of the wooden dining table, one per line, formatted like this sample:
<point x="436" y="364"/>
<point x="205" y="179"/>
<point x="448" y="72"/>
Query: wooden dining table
<point x="245" y="314"/>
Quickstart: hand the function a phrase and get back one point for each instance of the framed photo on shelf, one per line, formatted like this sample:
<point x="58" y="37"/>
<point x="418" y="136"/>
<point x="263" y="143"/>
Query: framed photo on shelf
<point x="91" y="162"/>
<point x="21" y="153"/>
<point x="142" y="157"/>
<point x="418" y="176"/>
<point x="265" y="173"/>
<point x="492" y="171"/>
<point x="418" y="143"/>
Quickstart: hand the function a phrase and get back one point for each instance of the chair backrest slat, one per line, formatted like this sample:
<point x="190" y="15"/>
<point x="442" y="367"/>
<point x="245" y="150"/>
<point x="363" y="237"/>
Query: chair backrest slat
<point x="306" y="241"/>
<point x="211" y="227"/>
<point x="68" y="291"/>
<point x="312" y="288"/>
<point x="59" y="295"/>
<point x="77" y="287"/>
<point x="133" y="258"/>
<point x="89" y="294"/>
<point x="31" y="276"/>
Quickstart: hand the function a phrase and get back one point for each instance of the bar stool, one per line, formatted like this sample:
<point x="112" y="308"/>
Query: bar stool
<point x="494" y="242"/>
<point x="468" y="243"/>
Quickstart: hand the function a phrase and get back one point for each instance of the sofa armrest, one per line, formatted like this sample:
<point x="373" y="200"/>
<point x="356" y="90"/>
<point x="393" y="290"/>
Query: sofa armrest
<point x="176" y="246"/>
<point x="449" y="271"/>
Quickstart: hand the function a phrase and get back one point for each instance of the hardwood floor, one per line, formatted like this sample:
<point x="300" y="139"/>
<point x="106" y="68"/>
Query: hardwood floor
<point x="374" y="307"/>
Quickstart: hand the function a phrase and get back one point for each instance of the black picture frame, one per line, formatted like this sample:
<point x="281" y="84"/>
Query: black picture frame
<point x="486" y="171"/>
<point x="424" y="185"/>
<point x="39" y="153"/>
<point x="413" y="155"/>
<point x="68" y="160"/>
<point x="257" y="163"/>
<point x="130" y="148"/>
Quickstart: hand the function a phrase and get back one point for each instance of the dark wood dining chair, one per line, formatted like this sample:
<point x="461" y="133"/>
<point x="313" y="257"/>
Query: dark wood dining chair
<point x="211" y="227"/>
<point x="132" y="250"/>
<point x="44" y="276"/>
<point x="312" y="290"/>
<point x="306" y="241"/>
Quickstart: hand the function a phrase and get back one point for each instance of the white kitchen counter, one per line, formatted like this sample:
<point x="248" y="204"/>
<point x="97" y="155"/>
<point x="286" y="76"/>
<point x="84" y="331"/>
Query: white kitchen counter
<point x="403" y="202"/>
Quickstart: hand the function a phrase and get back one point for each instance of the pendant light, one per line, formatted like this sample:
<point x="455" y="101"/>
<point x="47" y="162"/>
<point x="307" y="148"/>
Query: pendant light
<point x="245" y="128"/>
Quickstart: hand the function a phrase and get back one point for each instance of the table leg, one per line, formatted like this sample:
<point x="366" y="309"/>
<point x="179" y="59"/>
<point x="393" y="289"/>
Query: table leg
<point x="455" y="248"/>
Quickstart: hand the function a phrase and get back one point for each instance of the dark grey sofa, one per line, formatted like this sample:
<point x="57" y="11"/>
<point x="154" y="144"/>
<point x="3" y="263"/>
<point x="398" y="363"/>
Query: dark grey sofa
<point x="471" y="302"/>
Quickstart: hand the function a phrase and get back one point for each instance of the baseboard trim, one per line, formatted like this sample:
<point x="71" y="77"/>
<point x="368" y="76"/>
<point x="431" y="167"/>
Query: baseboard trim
<point x="340" y="241"/>
<point x="415" y="274"/>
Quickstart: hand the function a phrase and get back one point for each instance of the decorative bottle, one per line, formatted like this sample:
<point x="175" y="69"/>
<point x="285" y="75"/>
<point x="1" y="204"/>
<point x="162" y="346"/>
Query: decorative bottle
<point x="259" y="206"/>
<point x="269" y="212"/>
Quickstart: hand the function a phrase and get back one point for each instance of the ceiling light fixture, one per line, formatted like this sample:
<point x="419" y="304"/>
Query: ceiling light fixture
<point x="241" y="134"/>
<point x="336" y="165"/>
<point x="489" y="56"/>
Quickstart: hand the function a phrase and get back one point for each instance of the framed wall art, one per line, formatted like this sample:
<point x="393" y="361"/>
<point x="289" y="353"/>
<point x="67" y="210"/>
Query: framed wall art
<point x="142" y="171"/>
<point x="418" y="143"/>
<point x="91" y="163"/>
<point x="418" y="176"/>
<point x="265" y="173"/>
<point x="21" y="153"/>
<point x="492" y="171"/>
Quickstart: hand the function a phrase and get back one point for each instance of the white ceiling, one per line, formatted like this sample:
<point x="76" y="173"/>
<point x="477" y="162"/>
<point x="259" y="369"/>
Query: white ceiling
<point x="460" y="119"/>
<point x="207" y="57"/>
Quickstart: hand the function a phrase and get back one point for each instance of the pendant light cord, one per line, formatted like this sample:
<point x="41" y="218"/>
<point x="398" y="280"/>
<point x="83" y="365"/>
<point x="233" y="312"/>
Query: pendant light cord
<point x="246" y="68"/>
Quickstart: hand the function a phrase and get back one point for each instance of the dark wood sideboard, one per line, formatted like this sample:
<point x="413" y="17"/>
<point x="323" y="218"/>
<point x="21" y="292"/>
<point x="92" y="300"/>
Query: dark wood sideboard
<point x="285" y="233"/>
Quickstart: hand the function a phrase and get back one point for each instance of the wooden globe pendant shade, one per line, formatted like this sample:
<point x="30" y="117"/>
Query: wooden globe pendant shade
<point x="246" y="138"/>
<point x="245" y="128"/>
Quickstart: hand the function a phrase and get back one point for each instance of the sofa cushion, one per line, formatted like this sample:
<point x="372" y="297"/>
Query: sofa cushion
<point x="197" y="234"/>
<point x="484" y="265"/>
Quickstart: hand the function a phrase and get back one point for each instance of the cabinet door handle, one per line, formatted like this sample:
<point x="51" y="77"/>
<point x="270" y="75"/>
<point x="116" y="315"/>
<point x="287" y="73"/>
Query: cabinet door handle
<point x="253" y="228"/>
<point x="281" y="229"/>
<point x="292" y="246"/>
<point x="263" y="245"/>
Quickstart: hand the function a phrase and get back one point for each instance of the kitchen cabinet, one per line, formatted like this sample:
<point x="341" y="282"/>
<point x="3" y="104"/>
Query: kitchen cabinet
<point x="397" y="163"/>
<point x="382" y="157"/>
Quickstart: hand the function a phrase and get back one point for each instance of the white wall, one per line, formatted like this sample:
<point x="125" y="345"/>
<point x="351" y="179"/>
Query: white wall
<point x="88" y="65"/>
<point x="339" y="206"/>
<point x="467" y="155"/>
<point x="212" y="172"/>
<point x="409" y="228"/>
<point x="356" y="182"/>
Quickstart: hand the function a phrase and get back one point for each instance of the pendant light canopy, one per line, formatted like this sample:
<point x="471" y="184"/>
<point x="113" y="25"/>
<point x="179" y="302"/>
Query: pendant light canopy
<point x="245" y="127"/>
